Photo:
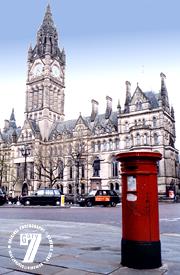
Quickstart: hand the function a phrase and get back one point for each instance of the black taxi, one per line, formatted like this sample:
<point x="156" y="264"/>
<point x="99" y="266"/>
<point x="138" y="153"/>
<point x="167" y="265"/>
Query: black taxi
<point x="100" y="197"/>
<point x="44" y="196"/>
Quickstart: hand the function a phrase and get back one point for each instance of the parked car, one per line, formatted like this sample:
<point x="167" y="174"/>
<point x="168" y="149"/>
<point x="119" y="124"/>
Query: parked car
<point x="3" y="197"/>
<point x="44" y="196"/>
<point x="100" y="197"/>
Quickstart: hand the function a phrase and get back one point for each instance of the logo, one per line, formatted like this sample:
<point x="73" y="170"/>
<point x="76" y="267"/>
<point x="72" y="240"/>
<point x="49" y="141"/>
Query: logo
<point x="30" y="246"/>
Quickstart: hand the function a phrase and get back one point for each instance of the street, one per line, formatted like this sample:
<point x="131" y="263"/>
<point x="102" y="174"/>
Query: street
<point x="169" y="215"/>
<point x="86" y="240"/>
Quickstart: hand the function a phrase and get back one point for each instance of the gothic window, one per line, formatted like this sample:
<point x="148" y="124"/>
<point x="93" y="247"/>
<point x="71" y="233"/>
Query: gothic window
<point x="61" y="188"/>
<point x="110" y="145"/>
<point x="39" y="172"/>
<point x="82" y="171"/>
<point x="117" y="186"/>
<point x="132" y="140"/>
<point x="70" y="170"/>
<point x="145" y="139"/>
<point x="126" y="126"/>
<point x="82" y="188"/>
<point x="127" y="142"/>
<point x="156" y="139"/>
<point x="60" y="150"/>
<point x="138" y="105"/>
<point x="31" y="170"/>
<point x="114" y="168"/>
<point x="116" y="144"/>
<point x="144" y="121"/>
<point x="70" y="149"/>
<point x="93" y="146"/>
<point x="135" y="122"/>
<point x="111" y="186"/>
<point x="61" y="169"/>
<point x="55" y="151"/>
<point x="70" y="189"/>
<point x="138" y="139"/>
<point x="104" y="145"/>
<point x="154" y="122"/>
<point x="99" y="145"/>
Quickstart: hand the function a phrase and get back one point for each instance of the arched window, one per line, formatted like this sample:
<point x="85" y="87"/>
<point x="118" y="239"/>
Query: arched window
<point x="117" y="186"/>
<point x="114" y="168"/>
<point x="61" y="188"/>
<point x="70" y="170"/>
<point x="110" y="145"/>
<point x="145" y="139"/>
<point x="126" y="126"/>
<point x="93" y="146"/>
<point x="138" y="106"/>
<point x="70" y="149"/>
<point x="156" y="139"/>
<point x="132" y="140"/>
<point x="82" y="171"/>
<point x="60" y="150"/>
<point x="111" y="186"/>
<point x="154" y="122"/>
<point x="127" y="142"/>
<point x="116" y="144"/>
<point x="61" y="169"/>
<point x="138" y="139"/>
<point x="82" y="188"/>
<point x="104" y="145"/>
<point x="70" y="189"/>
<point x="99" y="145"/>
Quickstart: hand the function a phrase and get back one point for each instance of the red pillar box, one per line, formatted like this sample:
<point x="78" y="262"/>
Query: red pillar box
<point x="140" y="245"/>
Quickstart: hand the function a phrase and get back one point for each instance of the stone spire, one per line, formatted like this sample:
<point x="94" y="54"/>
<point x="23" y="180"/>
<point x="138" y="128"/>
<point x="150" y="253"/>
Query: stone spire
<point x="48" y="21"/>
<point x="47" y="40"/>
<point x="119" y="107"/>
<point x="128" y="97"/>
<point x="108" y="107"/>
<point x="164" y="93"/>
<point x="12" y="121"/>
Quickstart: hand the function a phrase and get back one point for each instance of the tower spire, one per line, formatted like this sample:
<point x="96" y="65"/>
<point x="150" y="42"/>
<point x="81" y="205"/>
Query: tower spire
<point x="164" y="93"/>
<point x="48" y="20"/>
<point x="47" y="40"/>
<point x="128" y="97"/>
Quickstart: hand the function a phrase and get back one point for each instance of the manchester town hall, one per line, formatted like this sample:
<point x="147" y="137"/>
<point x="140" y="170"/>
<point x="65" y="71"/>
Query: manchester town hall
<point x="79" y="155"/>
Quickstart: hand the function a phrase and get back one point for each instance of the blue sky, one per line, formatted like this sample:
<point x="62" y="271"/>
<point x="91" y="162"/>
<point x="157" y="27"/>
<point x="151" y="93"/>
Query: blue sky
<point x="106" y="42"/>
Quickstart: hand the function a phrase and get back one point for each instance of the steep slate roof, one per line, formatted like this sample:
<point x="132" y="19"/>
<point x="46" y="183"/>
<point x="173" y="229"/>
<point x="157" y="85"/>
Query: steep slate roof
<point x="11" y="130"/>
<point x="69" y="125"/>
<point x="153" y="99"/>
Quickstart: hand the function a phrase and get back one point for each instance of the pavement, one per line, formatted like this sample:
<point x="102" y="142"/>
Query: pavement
<point x="78" y="249"/>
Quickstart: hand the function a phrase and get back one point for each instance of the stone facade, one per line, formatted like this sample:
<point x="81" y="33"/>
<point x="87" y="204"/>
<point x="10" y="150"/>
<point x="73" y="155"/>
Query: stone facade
<point x="79" y="155"/>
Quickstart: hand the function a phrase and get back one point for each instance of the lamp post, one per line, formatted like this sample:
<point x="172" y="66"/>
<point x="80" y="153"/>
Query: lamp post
<point x="25" y="151"/>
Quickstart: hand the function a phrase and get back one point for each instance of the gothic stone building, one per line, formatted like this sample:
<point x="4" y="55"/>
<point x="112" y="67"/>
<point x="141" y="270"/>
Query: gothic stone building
<point x="79" y="155"/>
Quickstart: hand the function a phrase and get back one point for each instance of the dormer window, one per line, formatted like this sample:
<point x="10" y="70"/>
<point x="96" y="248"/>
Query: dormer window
<point x="138" y="105"/>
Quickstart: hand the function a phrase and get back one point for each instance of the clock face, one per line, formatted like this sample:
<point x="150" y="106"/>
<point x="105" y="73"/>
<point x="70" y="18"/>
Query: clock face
<point x="55" y="71"/>
<point x="38" y="69"/>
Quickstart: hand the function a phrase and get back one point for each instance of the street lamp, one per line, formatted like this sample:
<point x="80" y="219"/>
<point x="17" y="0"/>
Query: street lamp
<point x="25" y="151"/>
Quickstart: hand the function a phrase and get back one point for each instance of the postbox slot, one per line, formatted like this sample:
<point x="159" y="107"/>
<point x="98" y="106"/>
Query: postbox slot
<point x="131" y="167"/>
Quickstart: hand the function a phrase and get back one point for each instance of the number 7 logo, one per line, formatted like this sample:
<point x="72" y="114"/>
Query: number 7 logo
<point x="35" y="239"/>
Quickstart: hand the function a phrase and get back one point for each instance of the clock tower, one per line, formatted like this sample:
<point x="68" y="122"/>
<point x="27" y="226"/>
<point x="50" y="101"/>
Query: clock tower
<point x="45" y="79"/>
